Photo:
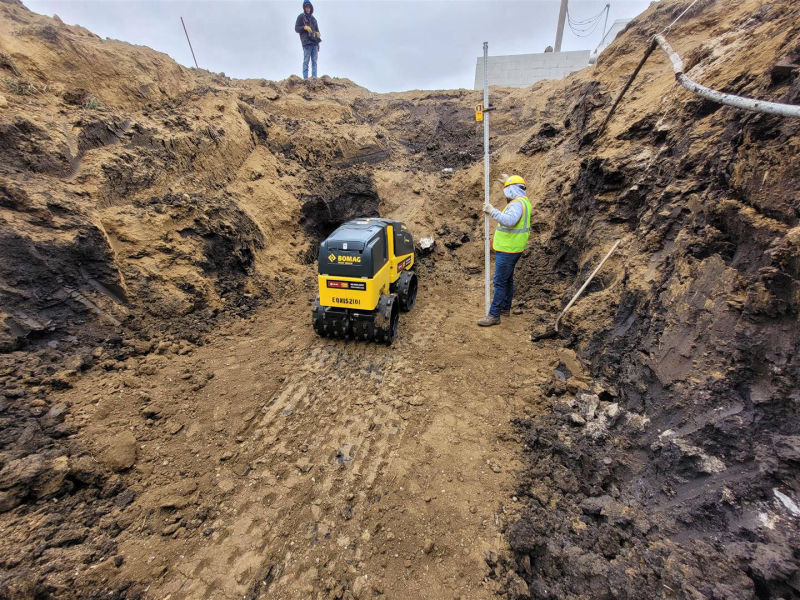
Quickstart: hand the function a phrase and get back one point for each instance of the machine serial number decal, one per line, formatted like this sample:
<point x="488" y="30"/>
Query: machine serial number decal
<point x="346" y="300"/>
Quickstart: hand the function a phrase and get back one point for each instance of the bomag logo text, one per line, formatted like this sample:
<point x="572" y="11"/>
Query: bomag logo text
<point x="348" y="259"/>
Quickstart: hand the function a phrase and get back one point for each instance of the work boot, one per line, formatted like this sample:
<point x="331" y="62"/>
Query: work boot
<point x="505" y="313"/>
<point x="488" y="321"/>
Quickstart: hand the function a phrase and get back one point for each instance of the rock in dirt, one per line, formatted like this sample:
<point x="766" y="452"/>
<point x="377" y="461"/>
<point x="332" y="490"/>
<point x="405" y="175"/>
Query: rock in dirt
<point x="588" y="404"/>
<point x="120" y="454"/>
<point x="612" y="412"/>
<point x="576" y="419"/>
<point x="54" y="416"/>
<point x="426" y="246"/>
<point x="360" y="588"/>
<point x="594" y="506"/>
<point x="33" y="476"/>
<point x="126" y="498"/>
<point x="52" y="484"/>
<point x="174" y="427"/>
<point x="22" y="472"/>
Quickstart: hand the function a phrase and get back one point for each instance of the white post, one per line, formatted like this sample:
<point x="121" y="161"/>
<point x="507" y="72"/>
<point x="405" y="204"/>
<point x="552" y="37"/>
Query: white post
<point x="487" y="262"/>
<point x="562" y="16"/>
<point x="587" y="282"/>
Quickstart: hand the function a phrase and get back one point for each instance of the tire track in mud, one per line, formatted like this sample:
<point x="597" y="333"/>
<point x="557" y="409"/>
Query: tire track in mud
<point x="315" y="432"/>
<point x="357" y="430"/>
<point x="329" y="465"/>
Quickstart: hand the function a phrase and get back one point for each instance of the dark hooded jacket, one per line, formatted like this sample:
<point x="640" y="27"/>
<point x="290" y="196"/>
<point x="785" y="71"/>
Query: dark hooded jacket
<point x="305" y="38"/>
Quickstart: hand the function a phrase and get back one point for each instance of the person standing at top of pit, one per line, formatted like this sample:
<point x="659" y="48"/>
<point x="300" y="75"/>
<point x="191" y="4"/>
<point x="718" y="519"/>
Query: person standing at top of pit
<point x="510" y="239"/>
<point x="306" y="26"/>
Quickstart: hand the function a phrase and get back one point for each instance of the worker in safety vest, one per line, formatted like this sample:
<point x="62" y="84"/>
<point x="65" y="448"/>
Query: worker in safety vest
<point x="510" y="239"/>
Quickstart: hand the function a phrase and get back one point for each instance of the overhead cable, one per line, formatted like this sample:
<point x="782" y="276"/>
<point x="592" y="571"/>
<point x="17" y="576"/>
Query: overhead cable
<point x="586" y="27"/>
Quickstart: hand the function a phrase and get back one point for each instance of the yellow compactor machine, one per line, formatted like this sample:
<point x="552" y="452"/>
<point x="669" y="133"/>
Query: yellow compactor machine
<point x="365" y="280"/>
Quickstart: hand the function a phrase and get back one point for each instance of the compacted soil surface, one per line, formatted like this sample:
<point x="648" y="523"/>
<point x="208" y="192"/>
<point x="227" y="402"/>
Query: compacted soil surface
<point x="318" y="465"/>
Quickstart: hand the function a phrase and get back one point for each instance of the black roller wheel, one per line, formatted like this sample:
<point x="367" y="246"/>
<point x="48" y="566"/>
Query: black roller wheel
<point x="318" y="319"/>
<point x="394" y="322"/>
<point x="387" y="318"/>
<point x="407" y="290"/>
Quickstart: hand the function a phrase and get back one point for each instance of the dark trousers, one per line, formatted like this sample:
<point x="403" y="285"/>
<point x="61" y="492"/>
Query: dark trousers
<point x="504" y="263"/>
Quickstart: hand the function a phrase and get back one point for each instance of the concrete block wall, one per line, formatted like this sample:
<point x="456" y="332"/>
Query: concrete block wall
<point x="521" y="70"/>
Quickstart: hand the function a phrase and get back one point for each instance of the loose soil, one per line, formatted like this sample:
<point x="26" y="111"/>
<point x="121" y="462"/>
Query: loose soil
<point x="321" y="465"/>
<point x="170" y="426"/>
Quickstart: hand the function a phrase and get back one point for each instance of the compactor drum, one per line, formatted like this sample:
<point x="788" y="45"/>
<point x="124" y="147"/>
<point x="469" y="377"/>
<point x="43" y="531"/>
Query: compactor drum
<point x="365" y="280"/>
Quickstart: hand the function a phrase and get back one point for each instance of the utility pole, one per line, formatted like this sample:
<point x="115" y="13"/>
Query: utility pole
<point x="486" y="261"/>
<point x="562" y="16"/>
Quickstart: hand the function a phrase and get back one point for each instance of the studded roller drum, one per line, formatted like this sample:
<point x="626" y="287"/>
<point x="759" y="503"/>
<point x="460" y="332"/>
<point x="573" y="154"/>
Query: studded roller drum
<point x="387" y="317"/>
<point x="318" y="319"/>
<point x="406" y="287"/>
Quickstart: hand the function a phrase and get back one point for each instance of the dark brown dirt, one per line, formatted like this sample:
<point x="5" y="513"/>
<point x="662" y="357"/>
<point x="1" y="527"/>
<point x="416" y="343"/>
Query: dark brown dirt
<point x="672" y="471"/>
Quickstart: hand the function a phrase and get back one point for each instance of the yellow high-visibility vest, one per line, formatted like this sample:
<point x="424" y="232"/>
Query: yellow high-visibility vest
<point x="514" y="239"/>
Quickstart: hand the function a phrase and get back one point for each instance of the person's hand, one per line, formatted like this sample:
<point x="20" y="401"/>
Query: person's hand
<point x="319" y="37"/>
<point x="488" y="208"/>
<point x="308" y="29"/>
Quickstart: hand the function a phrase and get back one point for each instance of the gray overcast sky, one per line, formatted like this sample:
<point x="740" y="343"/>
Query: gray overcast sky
<point x="383" y="45"/>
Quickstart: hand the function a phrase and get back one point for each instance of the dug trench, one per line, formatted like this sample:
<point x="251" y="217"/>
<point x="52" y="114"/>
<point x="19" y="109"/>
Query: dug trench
<point x="172" y="428"/>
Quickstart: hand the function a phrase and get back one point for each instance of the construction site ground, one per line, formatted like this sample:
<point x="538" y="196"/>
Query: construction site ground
<point x="171" y="427"/>
<point x="322" y="459"/>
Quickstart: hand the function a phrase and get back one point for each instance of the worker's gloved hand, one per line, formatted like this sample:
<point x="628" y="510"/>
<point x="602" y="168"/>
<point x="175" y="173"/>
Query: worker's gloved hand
<point x="488" y="208"/>
<point x="308" y="29"/>
<point x="319" y="37"/>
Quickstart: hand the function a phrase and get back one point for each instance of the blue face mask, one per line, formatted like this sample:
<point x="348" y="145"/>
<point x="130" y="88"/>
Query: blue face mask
<point x="514" y="191"/>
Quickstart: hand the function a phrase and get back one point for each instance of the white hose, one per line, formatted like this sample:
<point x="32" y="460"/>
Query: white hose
<point x="760" y="106"/>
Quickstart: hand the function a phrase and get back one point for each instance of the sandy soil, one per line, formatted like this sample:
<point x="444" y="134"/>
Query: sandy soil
<point x="170" y="427"/>
<point x="322" y="464"/>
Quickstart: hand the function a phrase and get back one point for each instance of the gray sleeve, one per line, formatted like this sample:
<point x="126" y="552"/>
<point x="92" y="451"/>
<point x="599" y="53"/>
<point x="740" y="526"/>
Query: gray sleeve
<point x="510" y="217"/>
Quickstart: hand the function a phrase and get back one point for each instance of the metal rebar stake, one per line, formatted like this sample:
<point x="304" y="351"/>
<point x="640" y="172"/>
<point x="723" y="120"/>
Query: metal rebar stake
<point x="190" y="43"/>
<point x="487" y="262"/>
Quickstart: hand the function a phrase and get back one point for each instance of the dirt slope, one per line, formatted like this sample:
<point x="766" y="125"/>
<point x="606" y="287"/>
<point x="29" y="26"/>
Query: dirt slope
<point x="171" y="427"/>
